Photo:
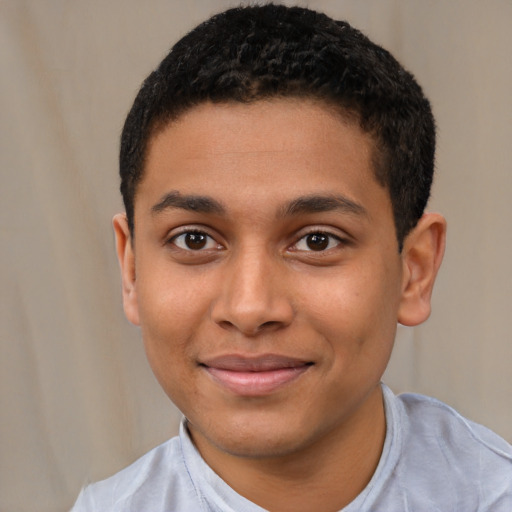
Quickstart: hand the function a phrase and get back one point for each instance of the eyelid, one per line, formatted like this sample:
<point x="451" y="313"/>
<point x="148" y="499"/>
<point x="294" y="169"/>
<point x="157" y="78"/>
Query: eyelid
<point x="183" y="230"/>
<point x="341" y="238"/>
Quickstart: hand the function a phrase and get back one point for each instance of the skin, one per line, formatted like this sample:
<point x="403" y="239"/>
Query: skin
<point x="252" y="285"/>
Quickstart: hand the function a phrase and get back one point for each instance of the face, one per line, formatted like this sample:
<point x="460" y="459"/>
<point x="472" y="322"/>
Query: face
<point x="265" y="274"/>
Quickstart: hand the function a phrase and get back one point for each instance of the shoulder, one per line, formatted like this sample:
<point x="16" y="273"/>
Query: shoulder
<point x="432" y="419"/>
<point x="159" y="477"/>
<point x="455" y="459"/>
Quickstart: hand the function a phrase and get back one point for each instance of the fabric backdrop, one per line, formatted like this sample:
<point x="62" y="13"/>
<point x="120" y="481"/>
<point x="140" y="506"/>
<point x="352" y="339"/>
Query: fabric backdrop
<point x="77" y="400"/>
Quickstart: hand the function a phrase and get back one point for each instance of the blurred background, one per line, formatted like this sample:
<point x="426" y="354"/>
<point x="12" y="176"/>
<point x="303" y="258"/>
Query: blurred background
<point x="77" y="399"/>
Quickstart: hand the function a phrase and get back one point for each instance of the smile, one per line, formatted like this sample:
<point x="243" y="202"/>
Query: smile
<point x="254" y="376"/>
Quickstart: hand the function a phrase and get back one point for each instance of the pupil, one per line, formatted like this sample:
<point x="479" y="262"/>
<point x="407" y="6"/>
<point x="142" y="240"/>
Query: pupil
<point x="317" y="241"/>
<point x="195" y="240"/>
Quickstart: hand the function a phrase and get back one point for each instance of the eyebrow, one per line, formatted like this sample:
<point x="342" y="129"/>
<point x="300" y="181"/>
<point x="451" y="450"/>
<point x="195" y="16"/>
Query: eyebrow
<point x="300" y="205"/>
<point x="321" y="203"/>
<point x="193" y="203"/>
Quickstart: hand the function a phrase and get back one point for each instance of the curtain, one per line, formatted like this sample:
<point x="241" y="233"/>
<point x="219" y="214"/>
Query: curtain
<point x="77" y="399"/>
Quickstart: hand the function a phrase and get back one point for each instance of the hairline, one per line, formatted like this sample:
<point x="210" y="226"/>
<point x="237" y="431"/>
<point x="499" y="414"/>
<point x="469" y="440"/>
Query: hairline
<point x="345" y="114"/>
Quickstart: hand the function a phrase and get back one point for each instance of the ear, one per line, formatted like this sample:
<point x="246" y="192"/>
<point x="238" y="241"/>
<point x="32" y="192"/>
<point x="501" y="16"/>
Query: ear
<point x="126" y="258"/>
<point x="421" y="256"/>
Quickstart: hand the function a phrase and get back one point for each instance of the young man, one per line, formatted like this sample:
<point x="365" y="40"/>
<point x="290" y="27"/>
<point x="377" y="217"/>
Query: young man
<point x="275" y="169"/>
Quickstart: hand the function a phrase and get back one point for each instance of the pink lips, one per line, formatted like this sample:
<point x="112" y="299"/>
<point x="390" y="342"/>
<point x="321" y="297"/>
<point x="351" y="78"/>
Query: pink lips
<point x="254" y="376"/>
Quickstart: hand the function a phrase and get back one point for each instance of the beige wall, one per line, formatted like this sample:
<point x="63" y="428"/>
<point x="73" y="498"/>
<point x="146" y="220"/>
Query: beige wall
<point x="77" y="400"/>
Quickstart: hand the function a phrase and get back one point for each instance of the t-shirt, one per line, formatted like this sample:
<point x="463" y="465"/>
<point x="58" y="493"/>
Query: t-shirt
<point x="433" y="460"/>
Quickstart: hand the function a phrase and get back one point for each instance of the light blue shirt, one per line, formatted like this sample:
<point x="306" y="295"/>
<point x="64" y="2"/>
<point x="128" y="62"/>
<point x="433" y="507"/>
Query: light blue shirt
<point x="433" y="460"/>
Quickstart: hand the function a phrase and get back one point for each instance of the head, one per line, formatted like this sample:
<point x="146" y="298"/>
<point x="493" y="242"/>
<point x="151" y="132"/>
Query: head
<point x="275" y="168"/>
<point x="249" y="54"/>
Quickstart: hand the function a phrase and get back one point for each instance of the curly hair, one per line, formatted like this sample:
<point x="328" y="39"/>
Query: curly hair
<point x="251" y="53"/>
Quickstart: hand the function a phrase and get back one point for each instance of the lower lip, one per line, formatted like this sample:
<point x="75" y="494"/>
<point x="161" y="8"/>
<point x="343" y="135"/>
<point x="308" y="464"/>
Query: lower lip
<point x="256" y="383"/>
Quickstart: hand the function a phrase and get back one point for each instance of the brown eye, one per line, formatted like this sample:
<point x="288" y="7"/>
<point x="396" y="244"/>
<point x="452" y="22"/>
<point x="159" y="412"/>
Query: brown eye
<point x="317" y="241"/>
<point x="194" y="241"/>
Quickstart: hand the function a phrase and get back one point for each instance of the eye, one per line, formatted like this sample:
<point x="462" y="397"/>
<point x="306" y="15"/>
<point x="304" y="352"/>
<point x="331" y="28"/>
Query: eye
<point x="318" y="241"/>
<point x="194" y="241"/>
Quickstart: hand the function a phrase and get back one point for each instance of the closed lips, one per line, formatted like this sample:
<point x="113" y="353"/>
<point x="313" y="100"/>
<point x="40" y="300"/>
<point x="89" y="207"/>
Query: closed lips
<point x="254" y="376"/>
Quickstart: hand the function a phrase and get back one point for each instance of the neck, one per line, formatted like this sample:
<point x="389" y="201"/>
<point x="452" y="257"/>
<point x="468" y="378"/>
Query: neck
<point x="327" y="475"/>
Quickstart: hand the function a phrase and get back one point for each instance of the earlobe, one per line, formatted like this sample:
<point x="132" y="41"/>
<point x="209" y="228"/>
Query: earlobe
<point x="126" y="258"/>
<point x="421" y="256"/>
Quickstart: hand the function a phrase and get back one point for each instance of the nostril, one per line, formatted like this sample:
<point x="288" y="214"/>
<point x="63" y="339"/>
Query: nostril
<point x="269" y="325"/>
<point x="225" y="324"/>
<point x="248" y="331"/>
<point x="251" y="314"/>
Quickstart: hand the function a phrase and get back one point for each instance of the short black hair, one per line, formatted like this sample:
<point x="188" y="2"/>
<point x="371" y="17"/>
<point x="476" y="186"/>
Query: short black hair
<point x="251" y="53"/>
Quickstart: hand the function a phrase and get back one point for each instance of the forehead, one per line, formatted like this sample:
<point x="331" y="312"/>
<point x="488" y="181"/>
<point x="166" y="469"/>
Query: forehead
<point x="277" y="147"/>
<point x="312" y="117"/>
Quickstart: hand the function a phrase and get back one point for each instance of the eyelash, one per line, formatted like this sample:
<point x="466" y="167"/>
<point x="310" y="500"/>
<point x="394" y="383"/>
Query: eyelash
<point x="324" y="236"/>
<point x="198" y="233"/>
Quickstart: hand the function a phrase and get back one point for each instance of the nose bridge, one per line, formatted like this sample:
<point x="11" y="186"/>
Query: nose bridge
<point x="253" y="295"/>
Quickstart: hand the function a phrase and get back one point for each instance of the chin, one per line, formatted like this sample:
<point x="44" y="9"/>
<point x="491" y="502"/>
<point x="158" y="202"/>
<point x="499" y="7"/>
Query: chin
<point x="257" y="437"/>
<point x="257" y="446"/>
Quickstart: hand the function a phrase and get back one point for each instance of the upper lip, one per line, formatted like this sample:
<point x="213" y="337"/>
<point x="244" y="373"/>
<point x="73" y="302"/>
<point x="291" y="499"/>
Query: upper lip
<point x="261" y="363"/>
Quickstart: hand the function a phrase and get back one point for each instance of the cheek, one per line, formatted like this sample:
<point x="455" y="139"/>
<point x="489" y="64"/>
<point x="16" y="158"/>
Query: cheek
<point x="170" y="306"/>
<point x="168" y="318"/>
<point x="355" y="308"/>
<point x="167" y="334"/>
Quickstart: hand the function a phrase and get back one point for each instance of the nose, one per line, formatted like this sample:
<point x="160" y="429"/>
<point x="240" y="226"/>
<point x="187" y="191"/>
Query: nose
<point x="254" y="296"/>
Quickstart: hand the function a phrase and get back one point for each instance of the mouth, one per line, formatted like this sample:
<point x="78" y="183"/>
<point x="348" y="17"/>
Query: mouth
<point x="254" y="376"/>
